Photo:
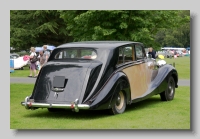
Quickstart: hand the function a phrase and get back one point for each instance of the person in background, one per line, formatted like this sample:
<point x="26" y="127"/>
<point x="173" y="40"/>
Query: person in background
<point x="41" y="59"/>
<point x="32" y="65"/>
<point x="46" y="53"/>
<point x="175" y="54"/>
<point x="152" y="53"/>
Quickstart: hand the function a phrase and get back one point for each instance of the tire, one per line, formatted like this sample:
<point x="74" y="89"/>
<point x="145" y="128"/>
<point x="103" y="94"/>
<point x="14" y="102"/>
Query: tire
<point x="120" y="104"/>
<point x="168" y="94"/>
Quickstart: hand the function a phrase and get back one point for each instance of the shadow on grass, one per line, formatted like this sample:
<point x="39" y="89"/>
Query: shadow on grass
<point x="62" y="113"/>
<point x="145" y="104"/>
<point x="88" y="114"/>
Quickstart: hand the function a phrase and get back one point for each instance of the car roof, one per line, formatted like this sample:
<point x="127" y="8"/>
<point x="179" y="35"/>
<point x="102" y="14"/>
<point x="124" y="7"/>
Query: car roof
<point x="14" y="54"/>
<point x="97" y="44"/>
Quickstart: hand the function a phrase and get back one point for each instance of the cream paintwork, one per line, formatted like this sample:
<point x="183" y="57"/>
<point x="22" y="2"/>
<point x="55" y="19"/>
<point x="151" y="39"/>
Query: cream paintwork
<point x="139" y="81"/>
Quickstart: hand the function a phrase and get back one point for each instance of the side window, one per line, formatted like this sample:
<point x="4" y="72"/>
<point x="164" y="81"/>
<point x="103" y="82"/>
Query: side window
<point x="126" y="54"/>
<point x="120" y="58"/>
<point x="139" y="52"/>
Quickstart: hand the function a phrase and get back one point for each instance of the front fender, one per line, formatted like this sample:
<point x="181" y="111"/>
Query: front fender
<point x="105" y="95"/>
<point x="165" y="72"/>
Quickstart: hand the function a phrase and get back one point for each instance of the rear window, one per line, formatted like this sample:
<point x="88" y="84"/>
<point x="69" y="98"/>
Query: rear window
<point x="76" y="53"/>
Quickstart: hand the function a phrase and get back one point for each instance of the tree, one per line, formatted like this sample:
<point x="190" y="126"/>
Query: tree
<point x="133" y="25"/>
<point x="35" y="28"/>
<point x="177" y="36"/>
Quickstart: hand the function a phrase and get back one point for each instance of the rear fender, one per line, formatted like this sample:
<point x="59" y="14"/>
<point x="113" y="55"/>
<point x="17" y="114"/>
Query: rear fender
<point x="104" y="99"/>
<point x="122" y="85"/>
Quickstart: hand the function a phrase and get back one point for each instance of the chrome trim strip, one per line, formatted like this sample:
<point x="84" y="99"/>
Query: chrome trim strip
<point x="28" y="105"/>
<point x="131" y="63"/>
<point x="57" y="89"/>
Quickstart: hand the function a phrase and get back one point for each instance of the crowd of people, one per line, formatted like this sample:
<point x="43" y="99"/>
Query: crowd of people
<point x="41" y="59"/>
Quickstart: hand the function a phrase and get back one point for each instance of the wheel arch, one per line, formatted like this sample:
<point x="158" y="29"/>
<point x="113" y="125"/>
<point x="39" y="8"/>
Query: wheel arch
<point x="126" y="90"/>
<point x="106" y="97"/>
<point x="175" y="76"/>
<point x="173" y="73"/>
<point x="124" y="86"/>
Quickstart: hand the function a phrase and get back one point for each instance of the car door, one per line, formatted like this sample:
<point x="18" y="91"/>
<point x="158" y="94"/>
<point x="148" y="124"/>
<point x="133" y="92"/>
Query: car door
<point x="139" y="71"/>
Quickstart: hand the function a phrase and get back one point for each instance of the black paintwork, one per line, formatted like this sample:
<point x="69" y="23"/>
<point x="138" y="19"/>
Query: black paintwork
<point x="94" y="82"/>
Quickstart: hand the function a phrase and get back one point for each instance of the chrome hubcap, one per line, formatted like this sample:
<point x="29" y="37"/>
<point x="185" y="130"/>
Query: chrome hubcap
<point x="120" y="100"/>
<point x="170" y="88"/>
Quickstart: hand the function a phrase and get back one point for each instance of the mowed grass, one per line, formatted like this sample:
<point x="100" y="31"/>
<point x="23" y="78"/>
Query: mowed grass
<point x="182" y="64"/>
<point x="149" y="114"/>
<point x="21" y="73"/>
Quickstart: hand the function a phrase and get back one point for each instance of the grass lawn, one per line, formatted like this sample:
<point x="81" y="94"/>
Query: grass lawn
<point x="149" y="114"/>
<point x="182" y="65"/>
<point x="21" y="73"/>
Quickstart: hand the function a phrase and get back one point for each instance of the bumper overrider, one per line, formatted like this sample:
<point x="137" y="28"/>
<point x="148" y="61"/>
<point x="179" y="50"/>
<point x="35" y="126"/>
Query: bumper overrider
<point x="30" y="104"/>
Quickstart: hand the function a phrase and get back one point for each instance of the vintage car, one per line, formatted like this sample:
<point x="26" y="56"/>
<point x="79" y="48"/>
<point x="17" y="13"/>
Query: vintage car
<point x="99" y="75"/>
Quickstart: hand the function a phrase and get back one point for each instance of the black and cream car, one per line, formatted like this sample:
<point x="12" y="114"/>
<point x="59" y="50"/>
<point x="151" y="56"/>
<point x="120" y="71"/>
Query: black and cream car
<point x="98" y="75"/>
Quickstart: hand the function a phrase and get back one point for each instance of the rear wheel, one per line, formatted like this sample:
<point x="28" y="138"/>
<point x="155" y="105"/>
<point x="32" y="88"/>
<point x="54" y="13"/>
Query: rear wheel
<point x="120" y="104"/>
<point x="168" y="94"/>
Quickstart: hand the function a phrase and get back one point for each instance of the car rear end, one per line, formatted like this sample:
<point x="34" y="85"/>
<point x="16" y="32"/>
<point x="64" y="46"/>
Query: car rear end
<point x="65" y="81"/>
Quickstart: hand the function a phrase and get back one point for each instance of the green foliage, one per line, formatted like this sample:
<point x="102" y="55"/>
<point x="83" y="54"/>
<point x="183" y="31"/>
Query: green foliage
<point x="178" y="35"/>
<point x="152" y="27"/>
<point x="130" y="25"/>
<point x="35" y="28"/>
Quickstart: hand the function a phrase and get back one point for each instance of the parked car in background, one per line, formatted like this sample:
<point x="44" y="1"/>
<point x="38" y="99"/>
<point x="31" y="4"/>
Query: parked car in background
<point x="18" y="61"/>
<point x="11" y="57"/>
<point x="14" y="55"/>
<point x="100" y="75"/>
<point x="169" y="54"/>
<point x="179" y="53"/>
<point x="166" y="54"/>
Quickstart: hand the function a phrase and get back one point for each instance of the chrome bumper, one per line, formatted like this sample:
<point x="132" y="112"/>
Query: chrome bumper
<point x="29" y="104"/>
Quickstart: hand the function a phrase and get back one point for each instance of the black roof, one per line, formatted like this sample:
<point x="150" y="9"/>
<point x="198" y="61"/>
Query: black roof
<point x="97" y="44"/>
